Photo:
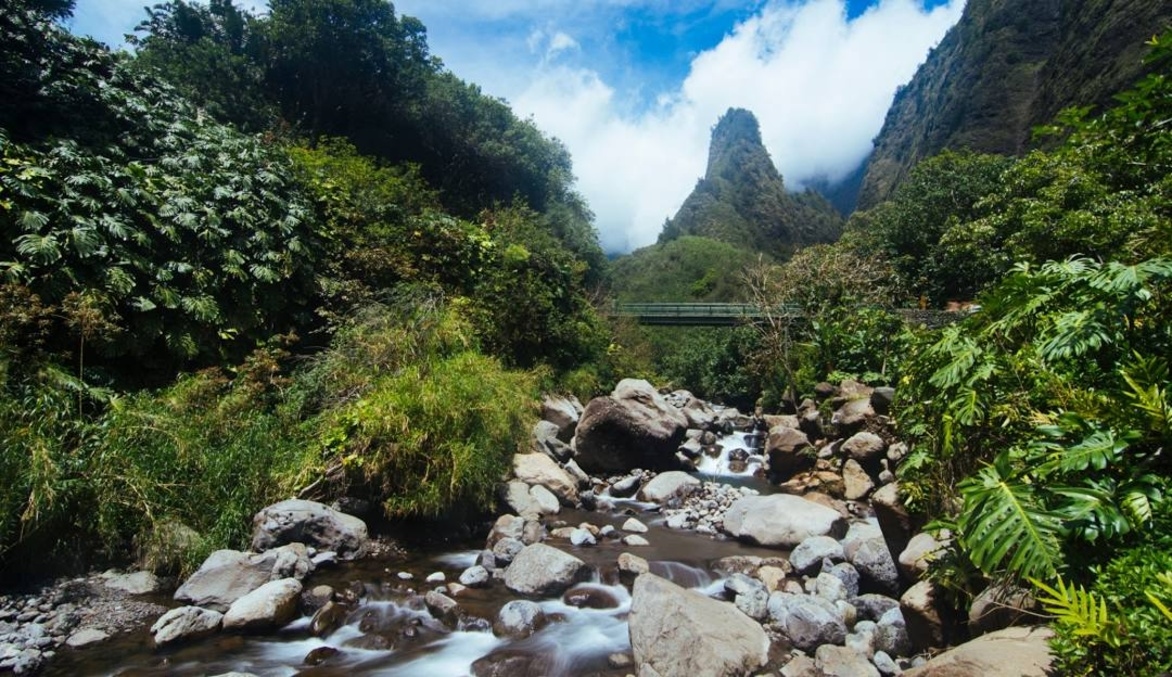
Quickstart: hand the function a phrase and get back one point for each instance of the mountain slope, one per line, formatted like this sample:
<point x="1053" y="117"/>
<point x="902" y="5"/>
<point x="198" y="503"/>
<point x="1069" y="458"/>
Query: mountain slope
<point x="1005" y="68"/>
<point x="742" y="198"/>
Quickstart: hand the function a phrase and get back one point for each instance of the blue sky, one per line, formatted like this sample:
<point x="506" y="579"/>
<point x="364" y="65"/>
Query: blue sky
<point x="633" y="87"/>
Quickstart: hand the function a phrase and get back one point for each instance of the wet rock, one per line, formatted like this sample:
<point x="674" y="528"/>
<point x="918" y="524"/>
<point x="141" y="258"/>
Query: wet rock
<point x="634" y="526"/>
<point x="681" y="632"/>
<point x="635" y="541"/>
<point x="516" y="495"/>
<point x="582" y="538"/>
<point x="185" y="624"/>
<point x="590" y="597"/>
<point x="475" y="577"/>
<point x="627" y="486"/>
<point x="780" y="520"/>
<point x="1013" y="651"/>
<point x="85" y="637"/>
<point x="620" y="660"/>
<point x="510" y="663"/>
<point x="630" y="566"/>
<point x="808" y="556"/>
<point x="436" y="577"/>
<point x="669" y="487"/>
<point x="311" y="523"/>
<point x="634" y="427"/>
<point x="518" y="619"/>
<point x="505" y="550"/>
<point x="807" y="621"/>
<point x="540" y="570"/>
<point x="320" y="655"/>
<point x="541" y="470"/>
<point x="443" y="608"/>
<point x="840" y="661"/>
<point x="270" y="606"/>
<point x="1001" y="606"/>
<point x="328" y="618"/>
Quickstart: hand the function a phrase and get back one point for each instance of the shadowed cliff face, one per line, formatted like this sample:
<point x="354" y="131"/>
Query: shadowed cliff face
<point x="1005" y="68"/>
<point x="742" y="198"/>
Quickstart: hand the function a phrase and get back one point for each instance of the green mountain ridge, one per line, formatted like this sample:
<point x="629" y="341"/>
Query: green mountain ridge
<point x="742" y="199"/>
<point x="1005" y="68"/>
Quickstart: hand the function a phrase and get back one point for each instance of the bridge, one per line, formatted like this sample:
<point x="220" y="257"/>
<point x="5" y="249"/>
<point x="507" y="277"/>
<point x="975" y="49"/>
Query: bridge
<point x="694" y="314"/>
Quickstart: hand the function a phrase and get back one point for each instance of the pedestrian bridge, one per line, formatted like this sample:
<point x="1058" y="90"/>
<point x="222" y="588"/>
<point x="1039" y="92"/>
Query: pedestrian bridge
<point x="695" y="314"/>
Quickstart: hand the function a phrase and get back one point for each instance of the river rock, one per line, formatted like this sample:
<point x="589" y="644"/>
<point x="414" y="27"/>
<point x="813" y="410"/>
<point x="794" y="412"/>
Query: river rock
<point x="504" y="550"/>
<point x="634" y="526"/>
<point x="633" y="427"/>
<point x="443" y="608"/>
<point x="184" y="624"/>
<point x="893" y="517"/>
<point x="85" y="637"/>
<point x="781" y="520"/>
<point x="545" y="441"/>
<point x="864" y="447"/>
<point x="1000" y="606"/>
<point x="564" y="412"/>
<point x="541" y="570"/>
<point x="856" y="483"/>
<point x="545" y="500"/>
<point x="589" y="596"/>
<point x="789" y="452"/>
<point x="749" y="595"/>
<point x="921" y="550"/>
<point x="1012" y="651"/>
<point x="807" y="557"/>
<point x="516" y="495"/>
<point x="539" y="469"/>
<point x="891" y="633"/>
<point x="518" y="619"/>
<point x="872" y="606"/>
<point x="582" y="538"/>
<point x="268" y="607"/>
<point x="627" y="486"/>
<point x="631" y="566"/>
<point x="927" y="618"/>
<point x="228" y="575"/>
<point x="669" y="487"/>
<point x="852" y="416"/>
<point x="682" y="632"/>
<point x="137" y="583"/>
<point x="635" y="541"/>
<point x="840" y="661"/>
<point x="808" y="621"/>
<point x="328" y="618"/>
<point x="475" y="576"/>
<point x="311" y="523"/>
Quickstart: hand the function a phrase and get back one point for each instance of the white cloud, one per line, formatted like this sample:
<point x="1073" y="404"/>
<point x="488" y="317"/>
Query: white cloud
<point x="819" y="85"/>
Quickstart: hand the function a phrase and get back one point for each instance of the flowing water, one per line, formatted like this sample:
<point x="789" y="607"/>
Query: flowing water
<point x="390" y="632"/>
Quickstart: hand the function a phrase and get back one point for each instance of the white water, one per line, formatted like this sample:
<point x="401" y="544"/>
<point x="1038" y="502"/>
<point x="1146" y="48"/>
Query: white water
<point x="721" y="465"/>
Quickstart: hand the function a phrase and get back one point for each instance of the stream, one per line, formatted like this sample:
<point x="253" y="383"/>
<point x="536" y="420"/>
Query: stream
<point x="391" y="632"/>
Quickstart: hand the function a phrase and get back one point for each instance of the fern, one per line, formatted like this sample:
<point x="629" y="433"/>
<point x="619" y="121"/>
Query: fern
<point x="1078" y="609"/>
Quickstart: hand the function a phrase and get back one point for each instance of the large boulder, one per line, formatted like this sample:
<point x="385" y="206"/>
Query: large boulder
<point x="540" y="571"/>
<point x="929" y="623"/>
<point x="920" y="552"/>
<point x="184" y="624"/>
<point x="866" y="549"/>
<point x="311" y="523"/>
<point x="682" y="632"/>
<point x="227" y="575"/>
<point x="633" y="427"/>
<point x="781" y="520"/>
<point x="270" y="606"/>
<point x="789" y="452"/>
<point x="895" y="521"/>
<point x="1013" y="651"/>
<point x="539" y="469"/>
<point x="1000" y="606"/>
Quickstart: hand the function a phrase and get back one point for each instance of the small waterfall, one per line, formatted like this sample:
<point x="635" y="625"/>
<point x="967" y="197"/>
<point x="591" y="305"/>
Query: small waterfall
<point x="739" y="454"/>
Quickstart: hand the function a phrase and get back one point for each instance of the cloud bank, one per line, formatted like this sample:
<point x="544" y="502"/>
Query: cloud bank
<point x="819" y="85"/>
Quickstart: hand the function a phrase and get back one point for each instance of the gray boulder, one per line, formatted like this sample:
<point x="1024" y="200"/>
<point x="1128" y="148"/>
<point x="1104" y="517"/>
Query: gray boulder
<point x="540" y="570"/>
<point x="682" y="632"/>
<point x="518" y="619"/>
<point x="928" y="621"/>
<point x="789" y="452"/>
<point x="921" y="550"/>
<point x="311" y="523"/>
<point x="852" y="416"/>
<point x="669" y="487"/>
<point x="268" y="607"/>
<point x="539" y="469"/>
<point x="184" y="624"/>
<point x="137" y="583"/>
<point x="1001" y="606"/>
<point x="866" y="549"/>
<point x="227" y="575"/>
<point x="562" y="411"/>
<point x="840" y="661"/>
<point x="781" y="520"/>
<point x="891" y="633"/>
<point x="808" y="621"/>
<point x="749" y="595"/>
<point x="864" y="447"/>
<point x="633" y="427"/>
<point x="807" y="557"/>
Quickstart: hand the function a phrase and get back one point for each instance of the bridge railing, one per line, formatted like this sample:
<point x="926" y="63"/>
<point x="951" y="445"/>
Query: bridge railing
<point x="697" y="313"/>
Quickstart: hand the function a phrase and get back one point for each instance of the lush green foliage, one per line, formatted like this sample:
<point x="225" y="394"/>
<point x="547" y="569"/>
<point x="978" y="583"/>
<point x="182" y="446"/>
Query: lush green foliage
<point x="687" y="268"/>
